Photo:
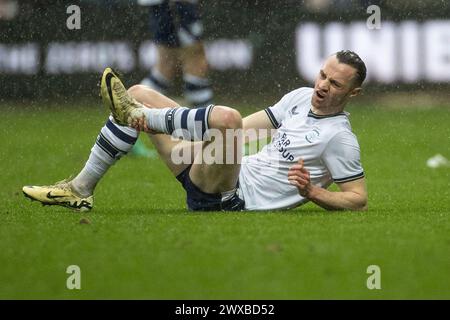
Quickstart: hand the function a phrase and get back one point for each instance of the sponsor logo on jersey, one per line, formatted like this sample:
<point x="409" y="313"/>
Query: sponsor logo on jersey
<point x="280" y="143"/>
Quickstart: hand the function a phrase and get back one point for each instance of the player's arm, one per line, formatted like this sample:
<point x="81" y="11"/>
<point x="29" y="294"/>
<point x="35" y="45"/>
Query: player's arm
<point x="352" y="194"/>
<point x="257" y="126"/>
<point x="271" y="117"/>
<point x="263" y="124"/>
<point x="257" y="120"/>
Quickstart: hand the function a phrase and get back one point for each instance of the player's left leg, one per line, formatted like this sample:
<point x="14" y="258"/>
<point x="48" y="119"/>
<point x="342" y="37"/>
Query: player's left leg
<point x="217" y="171"/>
<point x="166" y="145"/>
<point x="212" y="180"/>
<point x="211" y="184"/>
<point x="213" y="172"/>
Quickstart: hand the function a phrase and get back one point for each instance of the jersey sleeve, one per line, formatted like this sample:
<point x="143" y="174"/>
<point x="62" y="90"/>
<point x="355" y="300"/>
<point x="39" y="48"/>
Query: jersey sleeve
<point x="342" y="158"/>
<point x="278" y="112"/>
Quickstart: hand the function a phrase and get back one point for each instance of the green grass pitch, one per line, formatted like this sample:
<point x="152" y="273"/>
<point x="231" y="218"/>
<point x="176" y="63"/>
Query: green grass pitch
<point x="142" y="244"/>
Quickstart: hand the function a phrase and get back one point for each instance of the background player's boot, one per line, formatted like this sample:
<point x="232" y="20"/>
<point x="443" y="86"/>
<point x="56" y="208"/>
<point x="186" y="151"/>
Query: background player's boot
<point x="61" y="194"/>
<point x="116" y="98"/>
<point x="156" y="81"/>
<point x="141" y="150"/>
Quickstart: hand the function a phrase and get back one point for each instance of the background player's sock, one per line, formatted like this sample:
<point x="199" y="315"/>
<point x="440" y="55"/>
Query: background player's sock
<point x="113" y="142"/>
<point x="197" y="90"/>
<point x="189" y="124"/>
<point x="156" y="81"/>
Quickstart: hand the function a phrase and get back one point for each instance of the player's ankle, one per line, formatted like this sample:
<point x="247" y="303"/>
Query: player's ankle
<point x="81" y="190"/>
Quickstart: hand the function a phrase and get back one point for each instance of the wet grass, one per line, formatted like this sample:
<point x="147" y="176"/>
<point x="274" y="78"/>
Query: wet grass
<point x="140" y="242"/>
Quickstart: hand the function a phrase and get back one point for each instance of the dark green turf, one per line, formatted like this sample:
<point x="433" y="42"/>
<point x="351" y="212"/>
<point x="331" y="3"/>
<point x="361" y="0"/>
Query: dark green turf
<point x="141" y="243"/>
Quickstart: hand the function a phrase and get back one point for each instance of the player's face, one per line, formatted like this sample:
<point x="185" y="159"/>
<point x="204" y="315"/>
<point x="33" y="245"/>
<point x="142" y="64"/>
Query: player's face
<point x="334" y="85"/>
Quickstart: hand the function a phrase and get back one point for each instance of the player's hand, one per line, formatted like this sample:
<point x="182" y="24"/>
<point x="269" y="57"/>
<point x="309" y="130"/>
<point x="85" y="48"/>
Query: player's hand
<point x="299" y="177"/>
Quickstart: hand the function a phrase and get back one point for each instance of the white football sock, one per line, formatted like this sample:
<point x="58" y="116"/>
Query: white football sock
<point x="197" y="90"/>
<point x="112" y="143"/>
<point x="189" y="124"/>
<point x="156" y="81"/>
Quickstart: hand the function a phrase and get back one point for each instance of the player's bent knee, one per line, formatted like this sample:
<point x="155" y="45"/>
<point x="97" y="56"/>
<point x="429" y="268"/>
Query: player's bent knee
<point x="225" y="118"/>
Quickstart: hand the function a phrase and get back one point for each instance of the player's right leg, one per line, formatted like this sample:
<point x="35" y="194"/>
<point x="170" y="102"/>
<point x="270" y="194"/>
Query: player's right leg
<point x="113" y="142"/>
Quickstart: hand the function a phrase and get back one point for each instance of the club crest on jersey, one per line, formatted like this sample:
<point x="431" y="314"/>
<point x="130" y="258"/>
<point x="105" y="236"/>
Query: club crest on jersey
<point x="312" y="136"/>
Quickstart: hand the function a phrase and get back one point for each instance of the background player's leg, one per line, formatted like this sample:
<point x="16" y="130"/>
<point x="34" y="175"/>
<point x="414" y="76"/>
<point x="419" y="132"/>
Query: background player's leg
<point x="194" y="60"/>
<point x="197" y="87"/>
<point x="162" y="74"/>
<point x="163" y="30"/>
<point x="164" y="71"/>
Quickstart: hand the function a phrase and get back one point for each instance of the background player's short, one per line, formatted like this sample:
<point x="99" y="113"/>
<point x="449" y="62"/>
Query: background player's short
<point x="177" y="30"/>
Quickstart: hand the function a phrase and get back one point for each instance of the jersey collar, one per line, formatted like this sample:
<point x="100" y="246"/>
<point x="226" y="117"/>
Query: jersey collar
<point x="318" y="116"/>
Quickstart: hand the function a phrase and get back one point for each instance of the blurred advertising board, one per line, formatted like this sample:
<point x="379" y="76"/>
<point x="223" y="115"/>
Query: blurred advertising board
<point x="256" y="48"/>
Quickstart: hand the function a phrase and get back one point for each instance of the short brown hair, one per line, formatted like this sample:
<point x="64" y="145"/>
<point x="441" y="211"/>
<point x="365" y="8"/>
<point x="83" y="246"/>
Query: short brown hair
<point x="352" y="59"/>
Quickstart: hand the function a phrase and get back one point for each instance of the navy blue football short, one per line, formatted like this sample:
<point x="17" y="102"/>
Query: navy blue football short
<point x="175" y="23"/>
<point x="197" y="200"/>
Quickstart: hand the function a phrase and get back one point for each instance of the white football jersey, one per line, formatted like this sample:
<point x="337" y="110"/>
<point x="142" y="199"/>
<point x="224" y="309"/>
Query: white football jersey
<point x="326" y="144"/>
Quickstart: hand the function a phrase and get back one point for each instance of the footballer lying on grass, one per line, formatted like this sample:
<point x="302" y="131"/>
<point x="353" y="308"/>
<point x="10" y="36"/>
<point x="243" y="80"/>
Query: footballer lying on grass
<point x="312" y="147"/>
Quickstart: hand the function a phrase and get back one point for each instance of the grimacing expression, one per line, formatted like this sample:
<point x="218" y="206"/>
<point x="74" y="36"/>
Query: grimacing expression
<point x="334" y="85"/>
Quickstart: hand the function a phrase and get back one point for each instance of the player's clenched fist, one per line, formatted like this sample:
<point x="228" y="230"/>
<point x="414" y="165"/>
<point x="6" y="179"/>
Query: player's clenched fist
<point x="299" y="177"/>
